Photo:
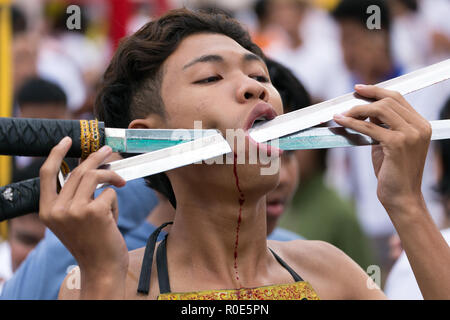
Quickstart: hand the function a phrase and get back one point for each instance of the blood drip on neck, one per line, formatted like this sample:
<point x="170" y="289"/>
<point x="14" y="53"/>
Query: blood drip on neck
<point x="241" y="201"/>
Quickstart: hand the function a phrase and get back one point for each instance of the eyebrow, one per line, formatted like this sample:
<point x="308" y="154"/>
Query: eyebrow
<point x="219" y="59"/>
<point x="253" y="57"/>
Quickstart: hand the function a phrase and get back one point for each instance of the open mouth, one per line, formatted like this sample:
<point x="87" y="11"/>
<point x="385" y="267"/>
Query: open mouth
<point x="259" y="121"/>
<point x="260" y="114"/>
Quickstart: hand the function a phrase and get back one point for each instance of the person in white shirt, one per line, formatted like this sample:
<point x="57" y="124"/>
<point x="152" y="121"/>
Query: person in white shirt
<point x="5" y="263"/>
<point x="313" y="50"/>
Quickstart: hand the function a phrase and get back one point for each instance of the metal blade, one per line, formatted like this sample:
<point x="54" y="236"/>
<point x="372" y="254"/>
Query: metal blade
<point x="335" y="137"/>
<point x="320" y="113"/>
<point x="176" y="148"/>
<point x="168" y="158"/>
<point x="215" y="145"/>
<point x="147" y="140"/>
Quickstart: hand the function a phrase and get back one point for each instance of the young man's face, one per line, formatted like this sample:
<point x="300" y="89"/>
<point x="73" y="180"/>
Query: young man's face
<point x="220" y="91"/>
<point x="211" y="78"/>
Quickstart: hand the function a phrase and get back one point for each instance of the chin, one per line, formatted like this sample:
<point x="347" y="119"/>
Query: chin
<point x="254" y="179"/>
<point x="246" y="179"/>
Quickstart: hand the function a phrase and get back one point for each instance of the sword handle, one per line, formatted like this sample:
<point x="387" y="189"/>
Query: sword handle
<point x="20" y="198"/>
<point x="36" y="137"/>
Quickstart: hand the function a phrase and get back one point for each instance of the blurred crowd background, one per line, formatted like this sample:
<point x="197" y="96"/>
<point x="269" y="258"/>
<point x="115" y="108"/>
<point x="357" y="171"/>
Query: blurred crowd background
<point x="328" y="45"/>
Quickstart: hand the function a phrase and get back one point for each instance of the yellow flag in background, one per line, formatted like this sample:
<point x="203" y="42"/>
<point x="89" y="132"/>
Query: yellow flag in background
<point x="327" y="4"/>
<point x="5" y="89"/>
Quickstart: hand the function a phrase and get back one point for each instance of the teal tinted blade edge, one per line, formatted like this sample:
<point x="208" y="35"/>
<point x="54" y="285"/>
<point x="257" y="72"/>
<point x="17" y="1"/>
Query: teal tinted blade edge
<point x="337" y="137"/>
<point x="147" y="140"/>
<point x="323" y="112"/>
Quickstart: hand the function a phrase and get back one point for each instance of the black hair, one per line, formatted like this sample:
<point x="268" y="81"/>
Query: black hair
<point x="357" y="10"/>
<point x="56" y="13"/>
<point x="444" y="154"/>
<point x="18" y="20"/>
<point x="40" y="91"/>
<point x="411" y="5"/>
<point x="260" y="8"/>
<point x="214" y="8"/>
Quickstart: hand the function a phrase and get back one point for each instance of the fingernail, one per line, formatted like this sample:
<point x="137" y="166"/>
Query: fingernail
<point x="64" y="141"/>
<point x="339" y="116"/>
<point x="105" y="149"/>
<point x="360" y="86"/>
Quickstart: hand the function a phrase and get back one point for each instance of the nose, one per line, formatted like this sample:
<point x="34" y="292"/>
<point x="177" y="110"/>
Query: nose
<point x="251" y="89"/>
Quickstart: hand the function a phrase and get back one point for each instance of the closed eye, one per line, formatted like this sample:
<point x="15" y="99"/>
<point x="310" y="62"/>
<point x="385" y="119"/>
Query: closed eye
<point x="208" y="80"/>
<point x="262" y="79"/>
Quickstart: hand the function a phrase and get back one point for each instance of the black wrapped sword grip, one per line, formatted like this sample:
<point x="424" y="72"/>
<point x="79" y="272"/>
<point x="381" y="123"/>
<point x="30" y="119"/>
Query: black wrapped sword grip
<point x="36" y="137"/>
<point x="20" y="198"/>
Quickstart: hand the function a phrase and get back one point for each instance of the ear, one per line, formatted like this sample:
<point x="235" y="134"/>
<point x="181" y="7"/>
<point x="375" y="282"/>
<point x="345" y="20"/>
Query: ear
<point x="153" y="121"/>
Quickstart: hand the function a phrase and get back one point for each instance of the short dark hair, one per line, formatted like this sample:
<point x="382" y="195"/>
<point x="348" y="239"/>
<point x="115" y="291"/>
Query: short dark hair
<point x="444" y="154"/>
<point x="411" y="5"/>
<point x="131" y="85"/>
<point x="18" y="20"/>
<point x="260" y="8"/>
<point x="41" y="91"/>
<point x="357" y="10"/>
<point x="132" y="81"/>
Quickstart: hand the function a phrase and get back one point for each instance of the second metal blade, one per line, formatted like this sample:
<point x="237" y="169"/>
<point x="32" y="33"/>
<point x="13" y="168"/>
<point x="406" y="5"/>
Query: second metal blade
<point x="335" y="137"/>
<point x="322" y="112"/>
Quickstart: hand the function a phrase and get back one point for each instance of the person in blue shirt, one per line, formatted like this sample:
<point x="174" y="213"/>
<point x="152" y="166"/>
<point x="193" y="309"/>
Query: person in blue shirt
<point x="41" y="274"/>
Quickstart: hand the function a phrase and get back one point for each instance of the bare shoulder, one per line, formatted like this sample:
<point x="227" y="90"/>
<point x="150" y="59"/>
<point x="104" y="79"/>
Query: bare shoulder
<point x="311" y="253"/>
<point x="134" y="271"/>
<point x="135" y="261"/>
<point x="331" y="273"/>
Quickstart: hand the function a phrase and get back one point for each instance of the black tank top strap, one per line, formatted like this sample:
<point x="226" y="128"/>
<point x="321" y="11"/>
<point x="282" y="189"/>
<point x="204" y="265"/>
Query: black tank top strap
<point x="162" y="268"/>
<point x="285" y="265"/>
<point x="147" y="261"/>
<point x="161" y="265"/>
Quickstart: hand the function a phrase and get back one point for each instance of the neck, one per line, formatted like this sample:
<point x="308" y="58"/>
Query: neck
<point x="223" y="241"/>
<point x="219" y="233"/>
<point x="163" y="212"/>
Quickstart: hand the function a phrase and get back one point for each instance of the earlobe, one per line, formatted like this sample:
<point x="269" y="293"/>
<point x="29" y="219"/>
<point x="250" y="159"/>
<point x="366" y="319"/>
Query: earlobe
<point x="151" y="122"/>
